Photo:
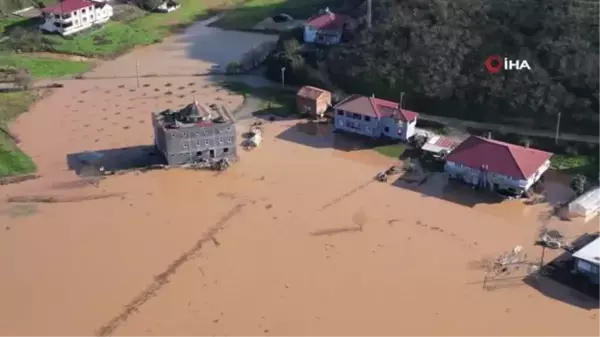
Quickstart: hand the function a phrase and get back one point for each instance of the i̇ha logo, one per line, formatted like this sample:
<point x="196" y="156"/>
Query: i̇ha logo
<point x="494" y="64"/>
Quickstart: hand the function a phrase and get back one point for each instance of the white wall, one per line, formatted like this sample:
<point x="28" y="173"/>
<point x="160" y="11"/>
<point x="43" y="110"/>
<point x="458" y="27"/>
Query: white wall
<point x="81" y="19"/>
<point x="362" y="126"/>
<point x="310" y="34"/>
<point x="504" y="182"/>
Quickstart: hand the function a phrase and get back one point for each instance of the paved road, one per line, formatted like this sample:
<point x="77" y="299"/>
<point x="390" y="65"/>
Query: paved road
<point x="509" y="129"/>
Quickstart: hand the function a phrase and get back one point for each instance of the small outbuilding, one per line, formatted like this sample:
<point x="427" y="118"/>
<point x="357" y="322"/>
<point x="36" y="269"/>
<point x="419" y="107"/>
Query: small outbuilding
<point x="587" y="205"/>
<point x="313" y="101"/>
<point x="588" y="260"/>
<point x="438" y="146"/>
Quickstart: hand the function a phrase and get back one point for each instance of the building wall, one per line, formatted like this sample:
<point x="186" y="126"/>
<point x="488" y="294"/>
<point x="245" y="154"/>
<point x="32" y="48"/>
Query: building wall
<point x="355" y="123"/>
<point x="590" y="270"/>
<point x="488" y="179"/>
<point x="314" y="107"/>
<point x="310" y="34"/>
<point x="189" y="144"/>
<point x="328" y="36"/>
<point x="77" y="20"/>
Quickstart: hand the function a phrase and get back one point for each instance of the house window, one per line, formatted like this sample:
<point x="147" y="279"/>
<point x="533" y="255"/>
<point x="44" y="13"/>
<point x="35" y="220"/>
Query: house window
<point x="228" y="129"/>
<point x="197" y="143"/>
<point x="226" y="150"/>
<point x="386" y="129"/>
<point x="340" y="112"/>
<point x="197" y="134"/>
<point x="206" y="142"/>
<point x="584" y="266"/>
<point x="356" y="116"/>
<point x="367" y="119"/>
<point x="185" y="146"/>
<point x="199" y="153"/>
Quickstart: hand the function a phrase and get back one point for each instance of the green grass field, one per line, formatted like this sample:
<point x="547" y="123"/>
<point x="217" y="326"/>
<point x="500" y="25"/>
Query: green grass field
<point x="116" y="37"/>
<point x="249" y="13"/>
<point x="394" y="150"/>
<point x="12" y="160"/>
<point x="586" y="165"/>
<point x="41" y="67"/>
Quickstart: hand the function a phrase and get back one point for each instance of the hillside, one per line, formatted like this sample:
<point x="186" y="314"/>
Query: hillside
<point x="434" y="53"/>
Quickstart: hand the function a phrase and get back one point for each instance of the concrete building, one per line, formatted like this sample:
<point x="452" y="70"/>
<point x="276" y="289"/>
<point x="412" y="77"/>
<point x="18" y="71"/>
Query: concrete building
<point x="325" y="28"/>
<point x="587" y="261"/>
<point x="194" y="133"/>
<point x="374" y="117"/>
<point x="313" y="101"/>
<point x="71" y="16"/>
<point x="497" y="166"/>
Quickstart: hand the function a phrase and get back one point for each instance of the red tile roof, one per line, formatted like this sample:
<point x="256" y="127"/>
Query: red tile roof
<point x="67" y="6"/>
<point x="375" y="107"/>
<point x="311" y="92"/>
<point x="499" y="157"/>
<point x="444" y="142"/>
<point x="327" y="21"/>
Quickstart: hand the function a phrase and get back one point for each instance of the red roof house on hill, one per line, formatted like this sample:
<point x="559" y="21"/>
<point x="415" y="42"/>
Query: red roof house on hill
<point x="325" y="28"/>
<point x="497" y="165"/>
<point x="374" y="117"/>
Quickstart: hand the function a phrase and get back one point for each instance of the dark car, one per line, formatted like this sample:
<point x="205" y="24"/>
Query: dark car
<point x="282" y="18"/>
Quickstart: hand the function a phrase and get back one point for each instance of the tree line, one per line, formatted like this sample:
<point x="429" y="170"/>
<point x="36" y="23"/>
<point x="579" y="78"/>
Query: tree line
<point x="433" y="53"/>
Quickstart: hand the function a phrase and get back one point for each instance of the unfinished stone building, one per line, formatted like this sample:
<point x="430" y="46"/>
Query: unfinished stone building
<point x="193" y="134"/>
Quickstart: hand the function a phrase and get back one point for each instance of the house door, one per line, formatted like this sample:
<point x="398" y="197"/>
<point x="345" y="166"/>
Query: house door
<point x="212" y="153"/>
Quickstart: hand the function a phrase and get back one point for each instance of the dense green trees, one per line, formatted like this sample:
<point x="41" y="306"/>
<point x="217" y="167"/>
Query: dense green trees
<point x="434" y="52"/>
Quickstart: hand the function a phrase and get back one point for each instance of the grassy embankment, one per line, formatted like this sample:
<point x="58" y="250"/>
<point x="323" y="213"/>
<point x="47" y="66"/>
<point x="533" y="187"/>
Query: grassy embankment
<point x="129" y="28"/>
<point x="249" y="13"/>
<point x="12" y="160"/>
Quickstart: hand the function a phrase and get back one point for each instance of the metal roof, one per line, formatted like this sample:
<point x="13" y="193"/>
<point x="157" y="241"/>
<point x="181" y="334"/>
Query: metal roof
<point x="437" y="144"/>
<point x="590" y="252"/>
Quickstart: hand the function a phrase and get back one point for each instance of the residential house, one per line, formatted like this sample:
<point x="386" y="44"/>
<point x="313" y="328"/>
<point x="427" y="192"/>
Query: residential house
<point x="71" y="16"/>
<point x="497" y="166"/>
<point x="192" y="134"/>
<point x="325" y="28"/>
<point x="168" y="6"/>
<point x="587" y="260"/>
<point x="374" y="117"/>
<point x="313" y="101"/>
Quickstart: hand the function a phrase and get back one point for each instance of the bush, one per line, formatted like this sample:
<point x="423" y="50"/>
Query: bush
<point x="579" y="184"/>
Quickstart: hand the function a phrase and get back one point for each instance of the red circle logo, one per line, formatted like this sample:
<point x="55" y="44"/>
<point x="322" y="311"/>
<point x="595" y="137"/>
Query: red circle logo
<point x="494" y="64"/>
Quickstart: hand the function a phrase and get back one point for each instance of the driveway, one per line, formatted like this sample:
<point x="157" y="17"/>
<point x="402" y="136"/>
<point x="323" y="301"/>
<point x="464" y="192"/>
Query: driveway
<point x="198" y="50"/>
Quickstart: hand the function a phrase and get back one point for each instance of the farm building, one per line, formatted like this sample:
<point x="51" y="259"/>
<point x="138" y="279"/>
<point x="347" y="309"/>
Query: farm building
<point x="313" y="101"/>
<point x="438" y="146"/>
<point x="497" y="166"/>
<point x="587" y="261"/>
<point x="194" y="133"/>
<point x="587" y="205"/>
<point x="374" y="117"/>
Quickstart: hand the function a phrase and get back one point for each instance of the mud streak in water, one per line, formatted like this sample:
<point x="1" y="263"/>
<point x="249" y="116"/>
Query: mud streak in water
<point x="164" y="277"/>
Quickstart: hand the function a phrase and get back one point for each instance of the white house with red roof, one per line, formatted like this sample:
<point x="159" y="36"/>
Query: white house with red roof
<point x="374" y="117"/>
<point x="71" y="16"/>
<point x="325" y="28"/>
<point x="497" y="166"/>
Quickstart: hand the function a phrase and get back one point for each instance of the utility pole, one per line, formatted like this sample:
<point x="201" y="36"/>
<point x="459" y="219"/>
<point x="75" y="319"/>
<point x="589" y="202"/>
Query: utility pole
<point x="557" y="128"/>
<point x="369" y="13"/>
<point x="282" y="77"/>
<point x="137" y="73"/>
<point x="401" y="100"/>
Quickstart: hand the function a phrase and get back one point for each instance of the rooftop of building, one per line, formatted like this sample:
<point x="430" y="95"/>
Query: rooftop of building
<point x="589" y="252"/>
<point x="311" y="92"/>
<point x="68" y="6"/>
<point x="499" y="157"/>
<point x="192" y="115"/>
<point x="327" y="20"/>
<point x="376" y="107"/>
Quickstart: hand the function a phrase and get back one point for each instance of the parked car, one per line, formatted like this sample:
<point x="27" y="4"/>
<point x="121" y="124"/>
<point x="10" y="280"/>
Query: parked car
<point x="282" y="18"/>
